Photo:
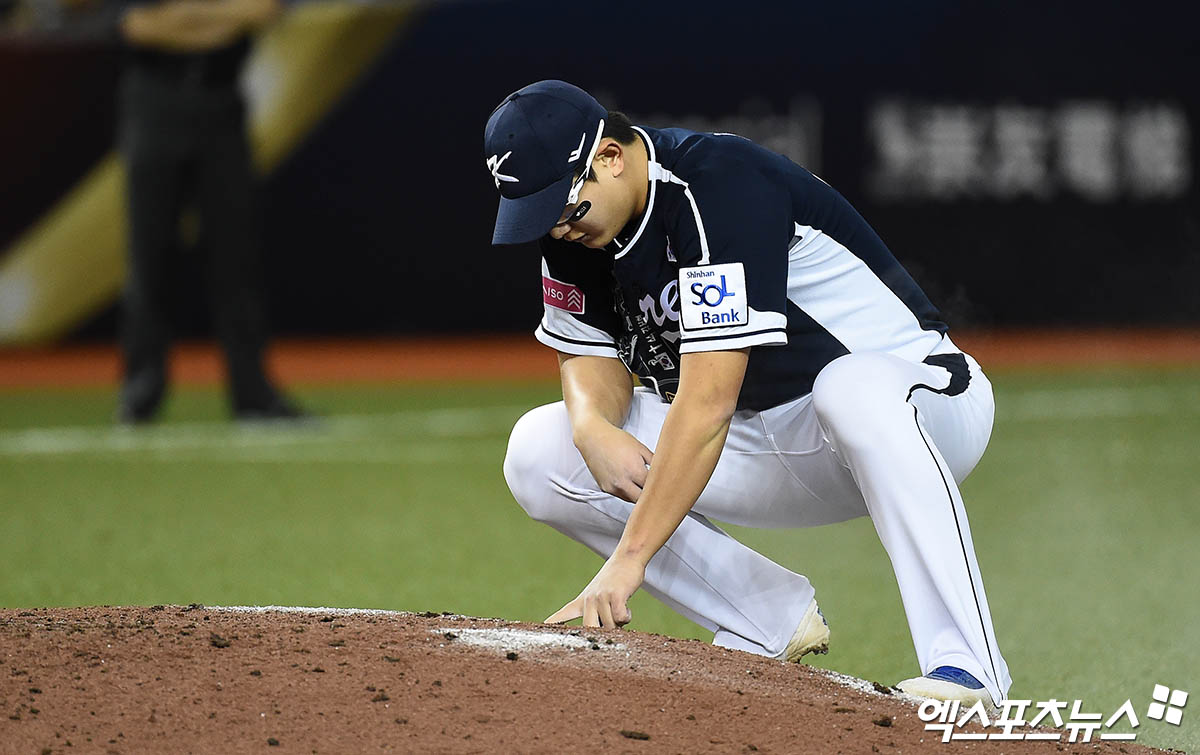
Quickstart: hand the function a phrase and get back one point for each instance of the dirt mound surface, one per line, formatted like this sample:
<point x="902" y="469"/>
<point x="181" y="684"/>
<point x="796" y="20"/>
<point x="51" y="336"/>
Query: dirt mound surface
<point x="208" y="680"/>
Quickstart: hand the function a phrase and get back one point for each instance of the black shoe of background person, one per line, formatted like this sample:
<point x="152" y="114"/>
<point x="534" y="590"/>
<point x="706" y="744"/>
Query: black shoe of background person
<point x="277" y="408"/>
<point x="130" y="415"/>
<point x="140" y="398"/>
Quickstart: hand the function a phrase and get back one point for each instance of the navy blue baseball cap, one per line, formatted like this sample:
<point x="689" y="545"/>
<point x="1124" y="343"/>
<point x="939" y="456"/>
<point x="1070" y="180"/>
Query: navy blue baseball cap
<point x="535" y="143"/>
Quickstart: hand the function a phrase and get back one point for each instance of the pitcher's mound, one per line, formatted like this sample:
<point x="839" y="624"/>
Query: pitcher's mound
<point x="223" y="680"/>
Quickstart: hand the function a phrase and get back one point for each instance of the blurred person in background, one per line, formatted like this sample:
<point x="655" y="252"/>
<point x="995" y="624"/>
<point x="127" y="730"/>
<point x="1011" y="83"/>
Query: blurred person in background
<point x="182" y="134"/>
<point x="61" y="20"/>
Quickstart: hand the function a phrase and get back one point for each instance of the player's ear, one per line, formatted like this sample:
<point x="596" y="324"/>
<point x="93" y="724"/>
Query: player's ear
<point x="612" y="156"/>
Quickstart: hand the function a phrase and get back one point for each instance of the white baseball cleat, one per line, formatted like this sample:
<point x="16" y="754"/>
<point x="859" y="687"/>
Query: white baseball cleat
<point x="948" y="683"/>
<point x="811" y="636"/>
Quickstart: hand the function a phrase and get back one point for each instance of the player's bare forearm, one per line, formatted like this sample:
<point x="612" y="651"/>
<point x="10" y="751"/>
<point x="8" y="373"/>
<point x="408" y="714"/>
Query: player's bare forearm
<point x="689" y="447"/>
<point x="595" y="389"/>
<point x="597" y="392"/>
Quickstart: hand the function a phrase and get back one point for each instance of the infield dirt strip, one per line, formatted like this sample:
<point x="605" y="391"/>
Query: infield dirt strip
<point x="170" y="679"/>
<point x="522" y="357"/>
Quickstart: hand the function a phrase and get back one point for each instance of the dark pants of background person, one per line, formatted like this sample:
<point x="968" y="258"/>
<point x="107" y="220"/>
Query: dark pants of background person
<point x="184" y="144"/>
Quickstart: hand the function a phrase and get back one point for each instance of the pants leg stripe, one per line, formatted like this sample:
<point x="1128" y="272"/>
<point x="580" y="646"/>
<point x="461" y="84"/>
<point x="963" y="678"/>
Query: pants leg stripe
<point x="961" y="542"/>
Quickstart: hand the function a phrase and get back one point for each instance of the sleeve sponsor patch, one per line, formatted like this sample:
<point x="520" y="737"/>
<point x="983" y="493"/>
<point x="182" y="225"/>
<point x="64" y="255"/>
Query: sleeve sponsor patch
<point x="713" y="296"/>
<point x="562" y="296"/>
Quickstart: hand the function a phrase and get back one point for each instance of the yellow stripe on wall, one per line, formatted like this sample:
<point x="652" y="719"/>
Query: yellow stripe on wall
<point x="71" y="263"/>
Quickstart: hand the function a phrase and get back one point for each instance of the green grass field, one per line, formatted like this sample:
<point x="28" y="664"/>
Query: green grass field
<point x="1085" y="513"/>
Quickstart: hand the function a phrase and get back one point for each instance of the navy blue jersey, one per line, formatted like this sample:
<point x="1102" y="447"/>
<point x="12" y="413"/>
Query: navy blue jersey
<point x="737" y="247"/>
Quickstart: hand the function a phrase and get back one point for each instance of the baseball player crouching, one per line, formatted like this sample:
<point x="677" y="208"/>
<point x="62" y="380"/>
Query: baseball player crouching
<point x="792" y="374"/>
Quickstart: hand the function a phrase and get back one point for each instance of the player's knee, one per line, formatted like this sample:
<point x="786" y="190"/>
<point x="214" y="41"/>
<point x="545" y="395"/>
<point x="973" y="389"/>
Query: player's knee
<point x="843" y="385"/>
<point x="855" y="399"/>
<point x="531" y="447"/>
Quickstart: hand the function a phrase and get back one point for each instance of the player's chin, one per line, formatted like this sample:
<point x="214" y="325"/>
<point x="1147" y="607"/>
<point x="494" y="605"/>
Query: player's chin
<point x="593" y="242"/>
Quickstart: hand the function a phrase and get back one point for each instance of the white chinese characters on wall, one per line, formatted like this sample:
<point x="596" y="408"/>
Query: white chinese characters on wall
<point x="1095" y="150"/>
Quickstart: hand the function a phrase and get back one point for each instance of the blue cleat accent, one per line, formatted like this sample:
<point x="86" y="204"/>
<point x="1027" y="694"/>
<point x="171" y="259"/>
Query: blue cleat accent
<point x="955" y="675"/>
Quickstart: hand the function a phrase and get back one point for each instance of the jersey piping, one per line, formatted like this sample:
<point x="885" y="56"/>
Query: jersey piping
<point x="649" y="199"/>
<point x="659" y="173"/>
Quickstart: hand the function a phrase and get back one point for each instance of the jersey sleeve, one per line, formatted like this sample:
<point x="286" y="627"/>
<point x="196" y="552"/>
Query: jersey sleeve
<point x="577" y="298"/>
<point x="731" y="236"/>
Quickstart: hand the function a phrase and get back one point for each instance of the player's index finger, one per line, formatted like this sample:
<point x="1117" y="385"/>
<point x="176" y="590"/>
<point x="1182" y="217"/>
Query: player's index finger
<point x="566" y="613"/>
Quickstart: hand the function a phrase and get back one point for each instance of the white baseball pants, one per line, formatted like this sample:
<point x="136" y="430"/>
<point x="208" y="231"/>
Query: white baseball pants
<point x="878" y="436"/>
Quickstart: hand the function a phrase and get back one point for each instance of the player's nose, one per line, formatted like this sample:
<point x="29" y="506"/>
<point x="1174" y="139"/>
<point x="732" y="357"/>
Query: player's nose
<point x="566" y="231"/>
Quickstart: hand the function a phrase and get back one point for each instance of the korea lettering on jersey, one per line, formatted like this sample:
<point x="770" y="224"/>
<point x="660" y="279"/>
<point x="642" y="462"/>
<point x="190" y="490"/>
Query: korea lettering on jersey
<point x="647" y="342"/>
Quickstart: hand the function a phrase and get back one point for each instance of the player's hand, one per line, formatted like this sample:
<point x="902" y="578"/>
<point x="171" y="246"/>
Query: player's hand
<point x="618" y="461"/>
<point x="605" y="601"/>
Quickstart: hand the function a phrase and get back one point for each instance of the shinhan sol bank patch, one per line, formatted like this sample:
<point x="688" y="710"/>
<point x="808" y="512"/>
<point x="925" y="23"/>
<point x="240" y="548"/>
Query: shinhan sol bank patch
<point x="713" y="296"/>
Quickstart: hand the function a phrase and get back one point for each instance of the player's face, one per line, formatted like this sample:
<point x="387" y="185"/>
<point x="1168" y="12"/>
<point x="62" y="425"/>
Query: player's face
<point x="574" y="224"/>
<point x="600" y="210"/>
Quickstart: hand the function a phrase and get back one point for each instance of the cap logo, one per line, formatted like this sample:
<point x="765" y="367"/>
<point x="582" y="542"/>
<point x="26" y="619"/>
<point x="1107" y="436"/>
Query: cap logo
<point x="494" y="162"/>
<point x="573" y="195"/>
<point x="578" y="150"/>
